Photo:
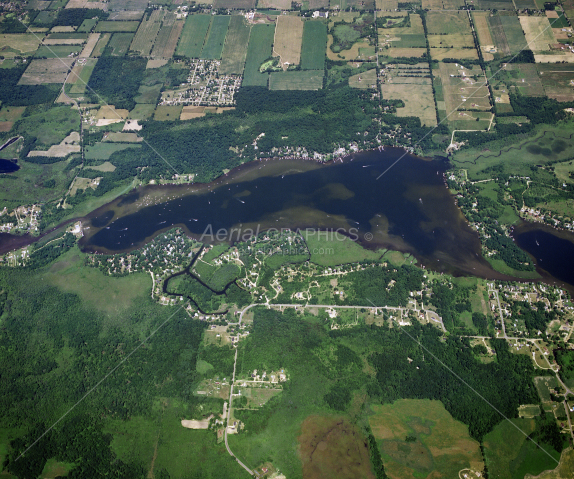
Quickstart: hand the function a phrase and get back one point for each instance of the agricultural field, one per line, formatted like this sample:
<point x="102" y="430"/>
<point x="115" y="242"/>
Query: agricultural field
<point x="259" y="50"/>
<point x="17" y="44"/>
<point x="287" y="41"/>
<point x="167" y="38"/>
<point x="405" y="32"/>
<point x="213" y="47"/>
<point x="235" y="46"/>
<point x="494" y="5"/>
<point x="120" y="43"/>
<point x="442" y="23"/>
<point x="142" y="111"/>
<point x="87" y="25"/>
<point x="65" y="39"/>
<point x="463" y="88"/>
<point x="279" y="4"/>
<point x="521" y="77"/>
<point x="57" y="51"/>
<point x="43" y="71"/>
<point x="148" y="94"/>
<point x="452" y="40"/>
<point x="480" y="20"/>
<point x="418" y="437"/>
<point x="510" y="454"/>
<point x="81" y="83"/>
<point x="69" y="145"/>
<point x="101" y="45"/>
<point x="9" y="115"/>
<point x="145" y="36"/>
<point x="405" y="52"/>
<point x="418" y="100"/>
<point x="90" y="45"/>
<point x="557" y="81"/>
<point x="296" y="80"/>
<point x="193" y="36"/>
<point x="456" y="53"/>
<point x="538" y="33"/>
<point x="167" y="112"/>
<point x="313" y="45"/>
<point x="239" y="4"/>
<point x="113" y="26"/>
<point x="365" y="80"/>
<point x="388" y="5"/>
<point x="103" y="151"/>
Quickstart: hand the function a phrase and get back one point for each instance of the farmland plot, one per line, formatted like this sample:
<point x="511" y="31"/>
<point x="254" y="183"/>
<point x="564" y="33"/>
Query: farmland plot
<point x="102" y="42"/>
<point x="51" y="70"/>
<point x="448" y="22"/>
<point x="120" y="43"/>
<point x="418" y="100"/>
<point x="90" y="45"/>
<point x="111" y="26"/>
<point x="217" y="32"/>
<point x="57" y="51"/>
<point x="259" y="50"/>
<point x="538" y="33"/>
<point x="557" y="81"/>
<point x="145" y="36"/>
<point x="12" y="45"/>
<point x="287" y="42"/>
<point x="313" y="45"/>
<point x="166" y="41"/>
<point x="296" y="80"/>
<point x="235" y="47"/>
<point x="193" y="36"/>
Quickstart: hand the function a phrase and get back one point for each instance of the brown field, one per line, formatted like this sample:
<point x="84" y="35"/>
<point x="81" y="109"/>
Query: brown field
<point x="87" y="4"/>
<point x="167" y="112"/>
<point x="482" y="29"/>
<point x="118" y="137"/>
<point x="562" y="57"/>
<point x="405" y="52"/>
<point x="452" y="40"/>
<point x="102" y="42"/>
<point x="156" y="63"/>
<point x="279" y="4"/>
<point x="452" y="4"/>
<point x="557" y="81"/>
<point x="11" y="113"/>
<point x="432" y="4"/>
<point x="333" y="447"/>
<point x="351" y="54"/>
<point x="49" y="70"/>
<point x="110" y="112"/>
<point x="538" y="33"/>
<point x="145" y="36"/>
<point x="459" y="53"/>
<point x="70" y="144"/>
<point x="387" y="4"/>
<point x="418" y="100"/>
<point x="166" y="41"/>
<point x="63" y="28"/>
<point x="287" y="41"/>
<point x="559" y="34"/>
<point x="20" y="42"/>
<point x="244" y="4"/>
<point x="442" y="446"/>
<point x="364" y="80"/>
<point x="6" y="125"/>
<point x="90" y="45"/>
<point x="106" y="166"/>
<point x="564" y="470"/>
<point x="191" y="112"/>
<point x="448" y="22"/>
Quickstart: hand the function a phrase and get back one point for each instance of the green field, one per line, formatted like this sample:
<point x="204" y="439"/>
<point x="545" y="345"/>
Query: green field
<point x="56" y="51"/>
<point x="193" y="36"/>
<point x="79" y="87"/>
<point x="87" y="25"/>
<point x="148" y="94"/>
<point x="217" y="32"/>
<point x="313" y="45"/>
<point x="113" y="26"/>
<point x="513" y="33"/>
<point x="259" y="50"/>
<point x="120" y="43"/>
<point x="331" y="249"/>
<point x="296" y="80"/>
<point x="235" y="47"/>
<point x="101" y="45"/>
<point x="103" y="151"/>
<point x="49" y="127"/>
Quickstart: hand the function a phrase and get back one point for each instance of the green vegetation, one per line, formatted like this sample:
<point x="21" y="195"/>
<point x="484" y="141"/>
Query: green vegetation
<point x="43" y="127"/>
<point x="103" y="151"/>
<point x="119" y="44"/>
<point x="235" y="47"/>
<point x="296" y="80"/>
<point x="193" y="36"/>
<point x="313" y="45"/>
<point x="214" y="44"/>
<point x="259" y="50"/>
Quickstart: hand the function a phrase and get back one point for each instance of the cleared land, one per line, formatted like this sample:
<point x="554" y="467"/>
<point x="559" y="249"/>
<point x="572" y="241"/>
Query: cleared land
<point x="65" y="39"/>
<point x="390" y="5"/>
<point x="11" y="113"/>
<point x="296" y="80"/>
<point x="56" y="51"/>
<point x="142" y="111"/>
<point x="120" y="43"/>
<point x="279" y="4"/>
<point x="448" y="22"/>
<point x="513" y="33"/>
<point x="145" y="36"/>
<point x="243" y="4"/>
<point x="451" y="40"/>
<point x="167" y="112"/>
<point x="111" y="26"/>
<point x="103" y="151"/>
<point x="106" y="166"/>
<point x="90" y="45"/>
<point x="166" y="41"/>
<point x="418" y="100"/>
<point x="557" y="81"/>
<point x="538" y="33"/>
<point x="235" y="47"/>
<point x="405" y="52"/>
<point x="457" y="53"/>
<point x="259" y="50"/>
<point x="87" y="25"/>
<point x="102" y="42"/>
<point x="120" y="137"/>
<point x="12" y="45"/>
<point x="193" y="36"/>
<point x="441" y="444"/>
<point x="480" y="20"/>
<point x="70" y="144"/>
<point x="313" y="45"/>
<point x="288" y="38"/>
<point x="148" y="94"/>
<point x="217" y="32"/>
<point x="42" y="71"/>
<point x="364" y="80"/>
<point x="464" y="88"/>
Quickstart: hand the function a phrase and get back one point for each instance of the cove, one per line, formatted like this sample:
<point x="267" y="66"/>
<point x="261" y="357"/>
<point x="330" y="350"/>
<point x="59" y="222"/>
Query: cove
<point x="407" y="208"/>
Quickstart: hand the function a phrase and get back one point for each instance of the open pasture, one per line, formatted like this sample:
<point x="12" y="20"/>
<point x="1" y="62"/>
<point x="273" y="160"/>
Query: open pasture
<point x="148" y="94"/>
<point x="278" y="4"/>
<point x="103" y="151"/>
<point x="142" y="111"/>
<point x="193" y="36"/>
<point x="452" y="4"/>
<point x="513" y="33"/>
<point x="522" y="76"/>
<point x="89" y="46"/>
<point x="557" y="80"/>
<point x="259" y="50"/>
<point x="166" y="41"/>
<point x="11" y="113"/>
<point x="464" y="88"/>
<point x="120" y="43"/>
<point x="57" y="51"/>
<point x="145" y="36"/>
<point x="432" y="4"/>
<point x="102" y="42"/>
<point x="113" y="26"/>
<point x="213" y="47"/>
<point x="313" y="45"/>
<point x="365" y="80"/>
<point x="441" y="444"/>
<point x="388" y="5"/>
<point x="167" y="112"/>
<point x="494" y="4"/>
<point x="87" y="25"/>
<point x="130" y="5"/>
<point x="235" y="46"/>
<point x="418" y="101"/>
<point x="480" y="20"/>
<point x="239" y="4"/>
<point x="296" y="80"/>
<point x="538" y="33"/>
<point x="448" y="22"/>
<point x="15" y="44"/>
<point x="405" y="52"/>
<point x="457" y="53"/>
<point x="42" y="71"/>
<point x="81" y="81"/>
<point x="287" y="41"/>
<point x="451" y="40"/>
<point x="470" y="120"/>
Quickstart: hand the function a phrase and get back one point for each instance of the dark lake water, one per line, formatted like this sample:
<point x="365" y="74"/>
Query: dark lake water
<point x="8" y="166"/>
<point x="408" y="208"/>
<point x="552" y="249"/>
